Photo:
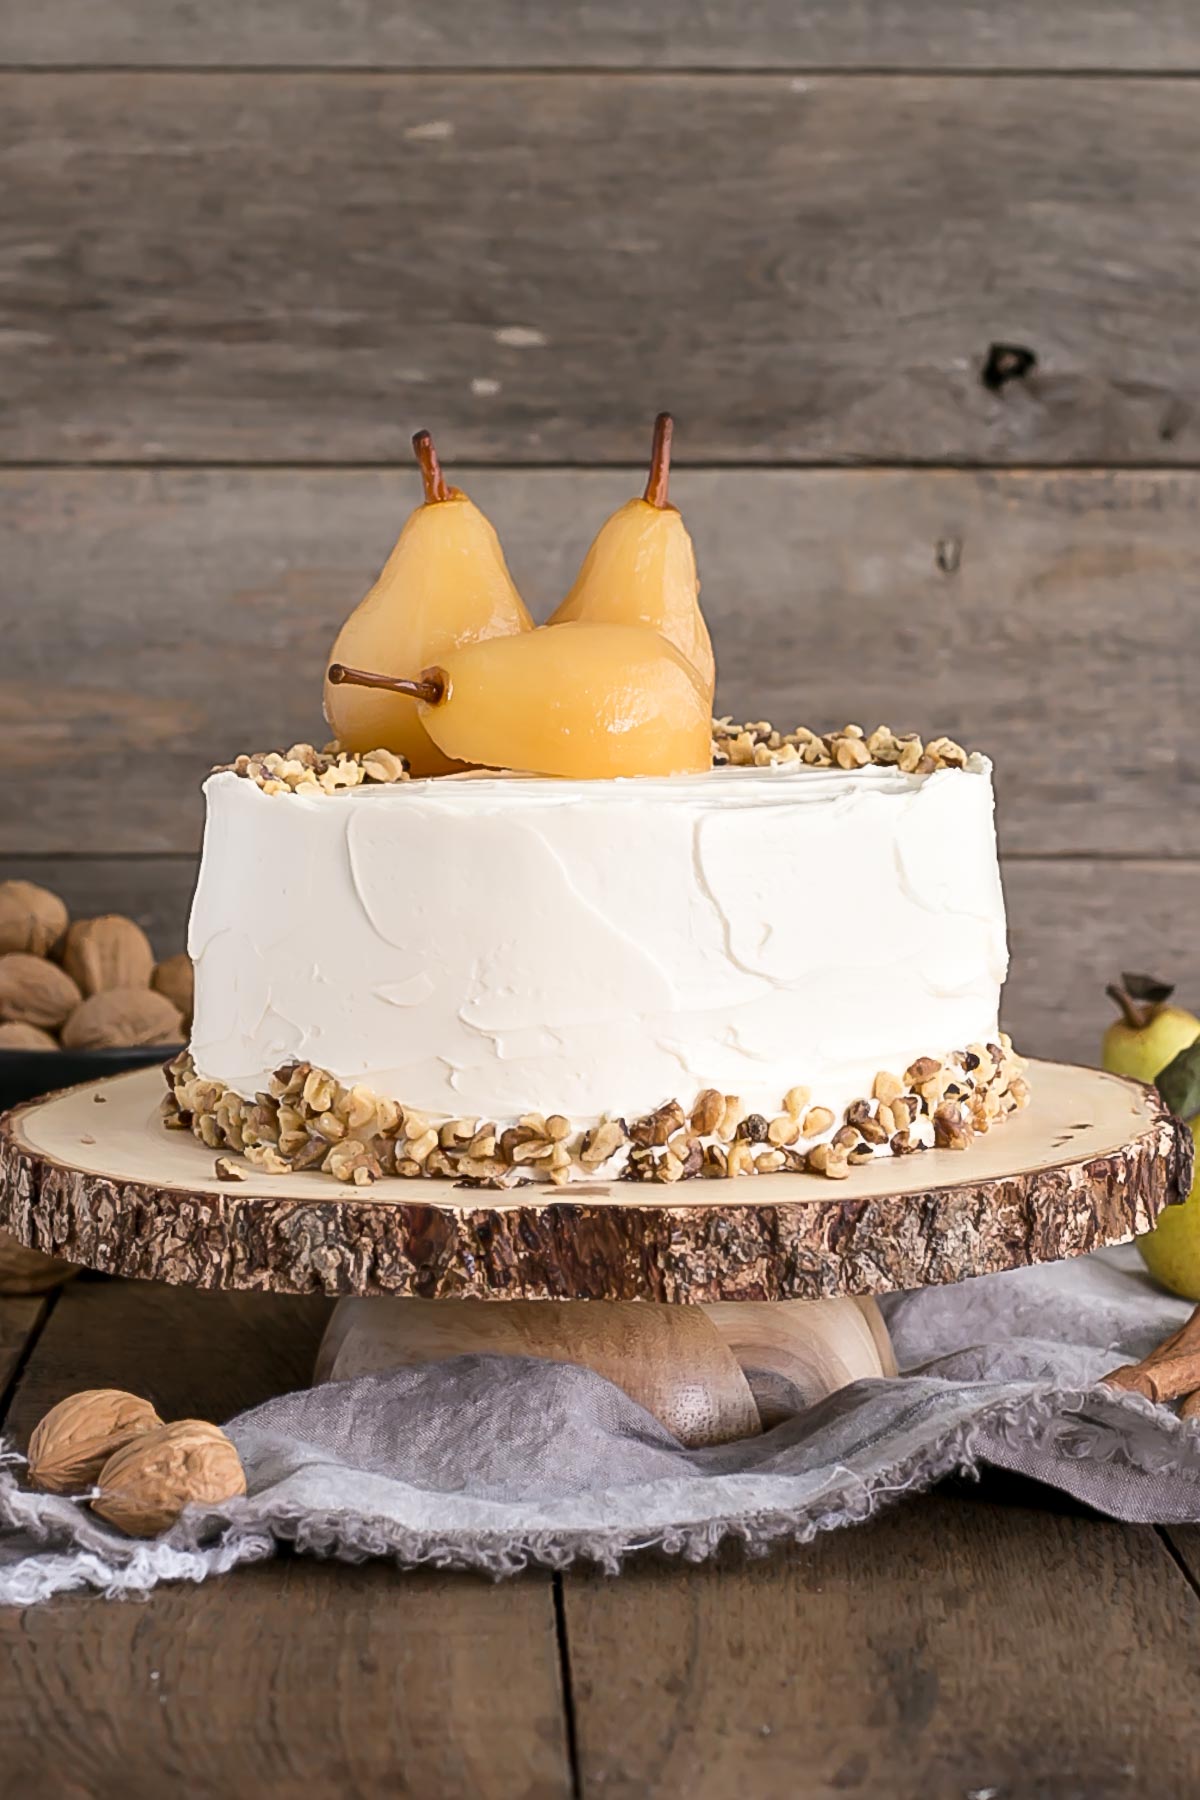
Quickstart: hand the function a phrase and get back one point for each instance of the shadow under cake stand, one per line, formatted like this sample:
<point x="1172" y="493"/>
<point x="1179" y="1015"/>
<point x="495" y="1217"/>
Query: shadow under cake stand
<point x="718" y="1305"/>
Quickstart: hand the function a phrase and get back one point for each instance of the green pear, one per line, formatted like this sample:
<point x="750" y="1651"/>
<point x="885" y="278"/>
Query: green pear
<point x="1149" y="1034"/>
<point x="1171" y="1251"/>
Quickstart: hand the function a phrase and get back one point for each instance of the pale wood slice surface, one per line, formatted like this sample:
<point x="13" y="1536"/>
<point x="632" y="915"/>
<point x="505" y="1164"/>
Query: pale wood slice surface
<point x="91" y="1175"/>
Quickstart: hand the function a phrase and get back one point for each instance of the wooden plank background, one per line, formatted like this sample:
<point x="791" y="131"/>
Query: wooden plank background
<point x="923" y="34"/>
<point x="290" y="267"/>
<point x="246" y="250"/>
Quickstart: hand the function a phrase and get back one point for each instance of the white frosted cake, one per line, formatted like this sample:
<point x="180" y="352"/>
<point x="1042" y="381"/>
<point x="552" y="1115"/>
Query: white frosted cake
<point x="533" y="913"/>
<point x="503" y="954"/>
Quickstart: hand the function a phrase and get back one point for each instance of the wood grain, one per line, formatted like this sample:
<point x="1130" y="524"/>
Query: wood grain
<point x="193" y="1354"/>
<point x="21" y="1316"/>
<point x="302" y="268"/>
<point x="1052" y="619"/>
<point x="1073" y="926"/>
<point x="1185" y="1541"/>
<point x="285" y="1679"/>
<point x="949" y="1648"/>
<point x="672" y="1360"/>
<point x="288" y="1679"/>
<point x="1091" y="1161"/>
<point x="1022" y="34"/>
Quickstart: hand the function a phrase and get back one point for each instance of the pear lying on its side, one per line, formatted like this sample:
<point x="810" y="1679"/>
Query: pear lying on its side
<point x="446" y="583"/>
<point x="584" y="700"/>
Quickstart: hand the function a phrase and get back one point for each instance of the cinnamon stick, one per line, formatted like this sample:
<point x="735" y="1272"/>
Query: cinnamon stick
<point x="1161" y="1380"/>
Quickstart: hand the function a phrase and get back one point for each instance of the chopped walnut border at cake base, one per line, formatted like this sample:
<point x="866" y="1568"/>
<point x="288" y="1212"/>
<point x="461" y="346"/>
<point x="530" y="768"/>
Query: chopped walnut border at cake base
<point x="310" y="1120"/>
<point x="303" y="770"/>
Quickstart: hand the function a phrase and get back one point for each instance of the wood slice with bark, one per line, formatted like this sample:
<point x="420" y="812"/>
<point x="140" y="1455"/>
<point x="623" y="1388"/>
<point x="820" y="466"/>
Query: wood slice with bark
<point x="1092" y="1161"/>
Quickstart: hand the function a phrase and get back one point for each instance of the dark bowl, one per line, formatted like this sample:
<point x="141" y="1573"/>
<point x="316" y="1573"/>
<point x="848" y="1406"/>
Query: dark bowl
<point x="24" y="1074"/>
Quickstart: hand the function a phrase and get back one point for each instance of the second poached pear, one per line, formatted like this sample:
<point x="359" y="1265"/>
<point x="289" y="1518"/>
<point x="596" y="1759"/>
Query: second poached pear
<point x="641" y="569"/>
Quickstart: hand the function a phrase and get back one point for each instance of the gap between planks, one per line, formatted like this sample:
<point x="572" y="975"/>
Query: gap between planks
<point x="592" y="465"/>
<point x="610" y="71"/>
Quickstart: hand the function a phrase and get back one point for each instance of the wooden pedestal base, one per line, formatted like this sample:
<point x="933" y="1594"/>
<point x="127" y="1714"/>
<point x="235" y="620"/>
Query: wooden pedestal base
<point x="710" y="1373"/>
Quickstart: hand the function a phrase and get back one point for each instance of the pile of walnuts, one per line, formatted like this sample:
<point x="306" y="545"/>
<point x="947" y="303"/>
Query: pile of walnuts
<point x="89" y="985"/>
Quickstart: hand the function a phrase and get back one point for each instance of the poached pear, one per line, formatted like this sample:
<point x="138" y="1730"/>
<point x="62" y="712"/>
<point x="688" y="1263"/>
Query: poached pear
<point x="584" y="700"/>
<point x="1148" y="1034"/>
<point x="445" y="583"/>
<point x="641" y="568"/>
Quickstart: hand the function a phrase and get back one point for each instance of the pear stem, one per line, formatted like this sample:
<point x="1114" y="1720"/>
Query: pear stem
<point x="436" y="487"/>
<point x="1136" y="1019"/>
<point x="432" y="687"/>
<point x="660" y="461"/>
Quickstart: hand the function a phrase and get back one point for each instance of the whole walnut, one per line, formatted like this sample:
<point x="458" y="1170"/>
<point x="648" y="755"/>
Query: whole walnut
<point x="77" y="1437"/>
<point x="145" y="1486"/>
<point x="35" y="992"/>
<point x="31" y="918"/>
<point x="16" y="1035"/>
<point x="122" y="1016"/>
<point x="109" y="952"/>
<point x="175" y="979"/>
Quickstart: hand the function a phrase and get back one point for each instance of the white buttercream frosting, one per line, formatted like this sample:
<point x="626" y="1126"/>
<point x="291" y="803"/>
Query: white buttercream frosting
<point x="489" y="945"/>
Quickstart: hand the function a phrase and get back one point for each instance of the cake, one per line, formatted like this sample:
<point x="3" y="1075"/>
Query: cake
<point x="790" y="958"/>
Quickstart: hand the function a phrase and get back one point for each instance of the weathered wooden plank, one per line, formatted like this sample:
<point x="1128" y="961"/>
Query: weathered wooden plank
<point x="1185" y="1540"/>
<point x="808" y="269"/>
<point x="950" y="1648"/>
<point x="20" y="1317"/>
<point x="162" y="621"/>
<point x="1021" y="34"/>
<point x="287" y="1678"/>
<point x="1073" y="926"/>
<point x="195" y="1355"/>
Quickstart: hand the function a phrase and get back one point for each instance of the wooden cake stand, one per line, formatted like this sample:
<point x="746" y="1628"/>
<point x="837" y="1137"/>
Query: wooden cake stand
<point x="716" y="1304"/>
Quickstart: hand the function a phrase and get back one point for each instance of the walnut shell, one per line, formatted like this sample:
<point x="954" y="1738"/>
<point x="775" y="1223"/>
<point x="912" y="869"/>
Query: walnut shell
<point x="175" y="979"/>
<point x="16" y="1035"/>
<point x="122" y="1016"/>
<point x="106" y="953"/>
<point x="145" y="1486"/>
<point x="77" y="1437"/>
<point x="24" y="1271"/>
<point x="34" y="992"/>
<point x="31" y="918"/>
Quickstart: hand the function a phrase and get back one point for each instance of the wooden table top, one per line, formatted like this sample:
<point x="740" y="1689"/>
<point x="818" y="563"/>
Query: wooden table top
<point x="983" y="1642"/>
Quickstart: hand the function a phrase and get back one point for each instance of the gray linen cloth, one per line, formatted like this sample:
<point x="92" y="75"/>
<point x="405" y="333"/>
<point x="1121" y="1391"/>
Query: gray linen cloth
<point x="484" y="1462"/>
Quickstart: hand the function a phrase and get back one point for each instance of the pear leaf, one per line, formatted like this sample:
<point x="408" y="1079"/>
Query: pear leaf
<point x="1179" y="1082"/>
<point x="1148" y="987"/>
